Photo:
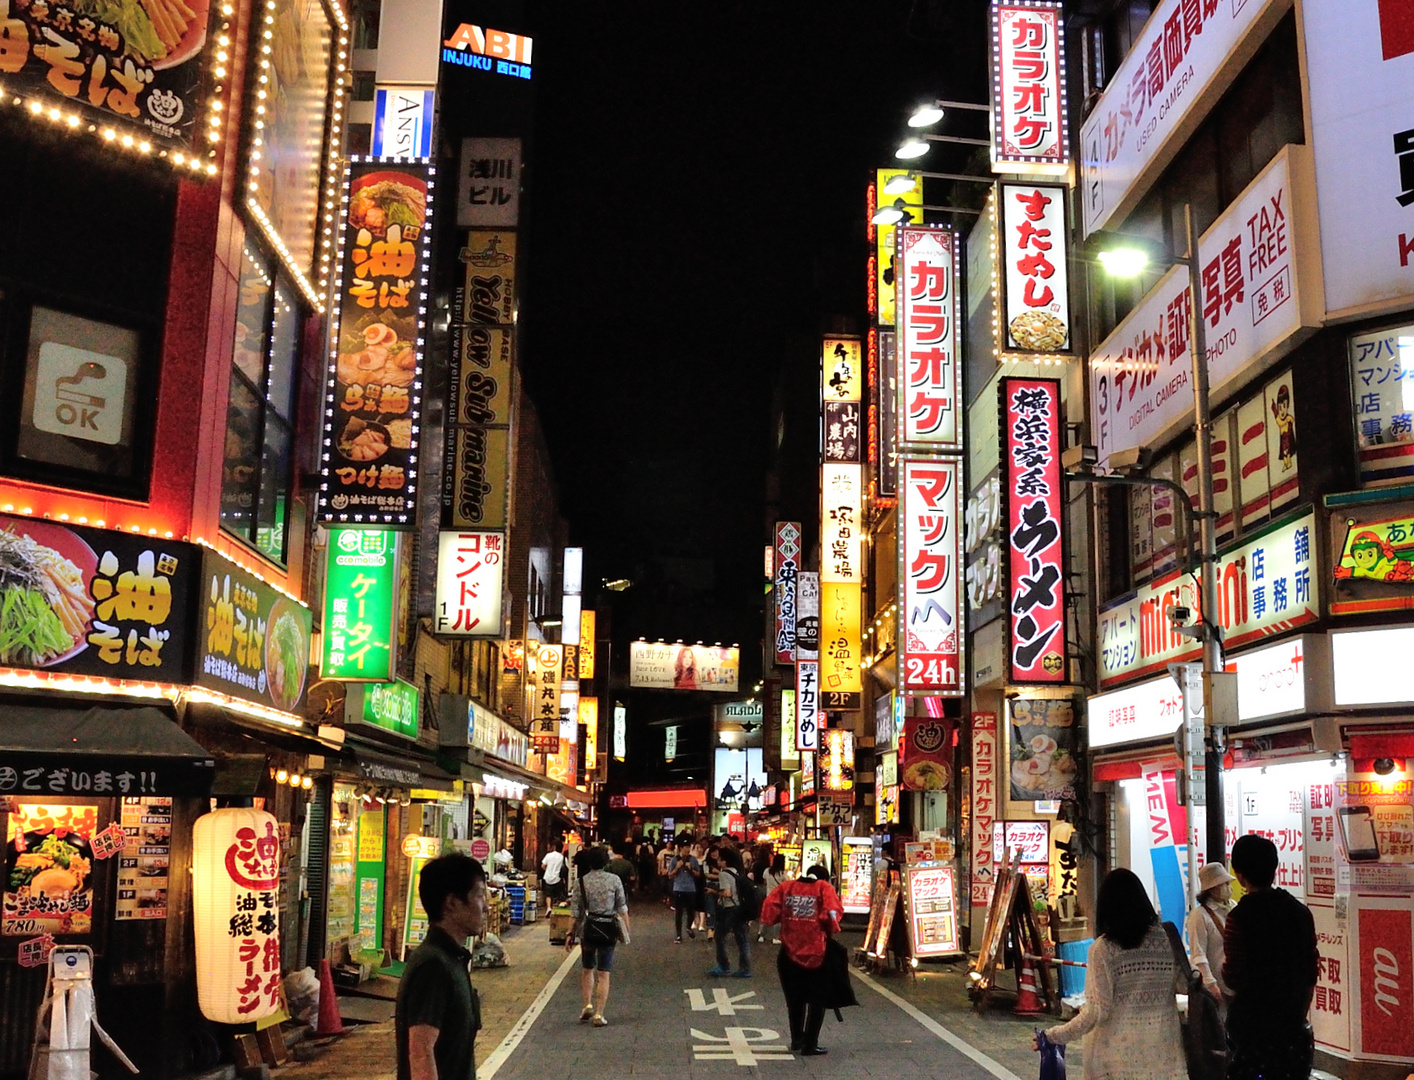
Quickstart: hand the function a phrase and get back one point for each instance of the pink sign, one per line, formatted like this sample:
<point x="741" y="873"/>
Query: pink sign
<point x="480" y="849"/>
<point x="930" y="609"/>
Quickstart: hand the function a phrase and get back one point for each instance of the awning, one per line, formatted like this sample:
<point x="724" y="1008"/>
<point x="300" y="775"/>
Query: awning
<point x="104" y="750"/>
<point x="384" y="769"/>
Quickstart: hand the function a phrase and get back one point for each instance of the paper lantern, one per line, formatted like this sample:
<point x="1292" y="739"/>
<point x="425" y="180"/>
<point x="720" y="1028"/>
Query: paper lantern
<point x="235" y="885"/>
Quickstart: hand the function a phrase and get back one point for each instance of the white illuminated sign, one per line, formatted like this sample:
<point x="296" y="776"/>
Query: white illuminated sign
<point x="1150" y="710"/>
<point x="1272" y="681"/>
<point x="468" y="596"/>
<point x="1371" y="667"/>
<point x="620" y="733"/>
<point x="402" y="121"/>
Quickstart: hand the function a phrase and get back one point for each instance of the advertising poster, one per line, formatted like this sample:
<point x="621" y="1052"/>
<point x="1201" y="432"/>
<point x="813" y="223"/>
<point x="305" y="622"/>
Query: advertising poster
<point x="255" y="643"/>
<point x="369" y="467"/>
<point x="470" y="569"/>
<point x="49" y="869"/>
<point x="146" y="857"/>
<point x="929" y="380"/>
<point x="479" y="426"/>
<point x="930" y="893"/>
<point x="857" y="874"/>
<point x="1044" y="745"/>
<point x="360" y="605"/>
<point x="1036" y="294"/>
<point x="656" y="666"/>
<point x="925" y="754"/>
<point x="930" y="608"/>
<point x="1029" y="129"/>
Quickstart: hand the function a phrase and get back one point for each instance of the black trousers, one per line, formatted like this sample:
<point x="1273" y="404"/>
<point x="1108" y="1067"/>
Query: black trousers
<point x="684" y="903"/>
<point x="800" y="986"/>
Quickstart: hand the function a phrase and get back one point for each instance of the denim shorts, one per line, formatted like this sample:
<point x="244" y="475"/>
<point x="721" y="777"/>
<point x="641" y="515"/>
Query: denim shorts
<point x="600" y="957"/>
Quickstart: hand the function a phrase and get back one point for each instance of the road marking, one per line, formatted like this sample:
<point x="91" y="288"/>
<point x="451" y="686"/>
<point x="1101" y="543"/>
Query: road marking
<point x="723" y="1003"/>
<point x="487" y="1069"/>
<point x="961" y="1045"/>
<point x="744" y="1045"/>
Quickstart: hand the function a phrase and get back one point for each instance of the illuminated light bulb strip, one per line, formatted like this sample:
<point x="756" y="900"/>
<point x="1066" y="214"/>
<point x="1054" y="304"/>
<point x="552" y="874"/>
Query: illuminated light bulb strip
<point x="317" y="295"/>
<point x="201" y="696"/>
<point x="252" y="571"/>
<point x="82" y="519"/>
<point x="24" y="679"/>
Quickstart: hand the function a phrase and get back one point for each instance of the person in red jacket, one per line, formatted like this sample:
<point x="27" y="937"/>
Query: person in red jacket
<point x="808" y="911"/>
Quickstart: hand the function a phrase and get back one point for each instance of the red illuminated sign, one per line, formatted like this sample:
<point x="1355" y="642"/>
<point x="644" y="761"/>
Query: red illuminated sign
<point x="927" y="311"/>
<point x="930" y="609"/>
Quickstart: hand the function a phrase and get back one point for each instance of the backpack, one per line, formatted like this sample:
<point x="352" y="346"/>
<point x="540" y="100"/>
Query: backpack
<point x="1204" y="1041"/>
<point x="748" y="895"/>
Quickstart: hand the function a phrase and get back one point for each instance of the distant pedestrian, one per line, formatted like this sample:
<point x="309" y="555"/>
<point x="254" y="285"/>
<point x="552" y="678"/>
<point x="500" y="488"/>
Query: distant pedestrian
<point x="554" y="876"/>
<point x="699" y="918"/>
<point x="647" y="869"/>
<point x="808" y="911"/>
<point x="599" y="898"/>
<point x="684" y="873"/>
<point x="731" y="915"/>
<point x="774" y="876"/>
<point x="438" y="1012"/>
<point x="623" y="869"/>
<point x="1130" y="1010"/>
<point x="1204" y="927"/>
<point x="1270" y="941"/>
<point x="666" y="854"/>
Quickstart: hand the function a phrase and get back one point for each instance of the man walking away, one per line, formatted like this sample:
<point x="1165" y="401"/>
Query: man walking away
<point x="554" y="876"/>
<point x="683" y="872"/>
<point x="623" y="869"/>
<point x="809" y="911"/>
<point x="1270" y="967"/>
<point x="438" y="1013"/>
<point x="732" y="915"/>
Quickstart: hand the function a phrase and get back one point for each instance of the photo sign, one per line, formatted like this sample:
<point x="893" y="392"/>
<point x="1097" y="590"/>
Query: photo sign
<point x="1033" y="493"/>
<point x="657" y="666"/>
<point x="930" y="548"/>
<point x="929" y="380"/>
<point x="1029" y="130"/>
<point x="368" y="468"/>
<point x="1034" y="276"/>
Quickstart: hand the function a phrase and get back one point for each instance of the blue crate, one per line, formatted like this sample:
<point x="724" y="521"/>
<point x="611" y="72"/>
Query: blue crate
<point x="1072" y="980"/>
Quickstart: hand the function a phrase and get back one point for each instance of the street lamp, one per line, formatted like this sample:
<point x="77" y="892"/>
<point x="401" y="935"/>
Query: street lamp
<point x="912" y="148"/>
<point x="925" y="116"/>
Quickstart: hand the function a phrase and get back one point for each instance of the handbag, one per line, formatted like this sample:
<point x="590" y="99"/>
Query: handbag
<point x="1204" y="1040"/>
<point x="1052" y="1057"/>
<point x="600" y="931"/>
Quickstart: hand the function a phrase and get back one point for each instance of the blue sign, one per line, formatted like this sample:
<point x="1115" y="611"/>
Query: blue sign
<point x="402" y="122"/>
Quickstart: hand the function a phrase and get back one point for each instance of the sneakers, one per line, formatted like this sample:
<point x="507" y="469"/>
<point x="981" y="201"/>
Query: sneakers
<point x="691" y="933"/>
<point x="677" y="941"/>
<point x="599" y="1020"/>
<point x="718" y="972"/>
<point x="742" y="975"/>
<point x="587" y="1014"/>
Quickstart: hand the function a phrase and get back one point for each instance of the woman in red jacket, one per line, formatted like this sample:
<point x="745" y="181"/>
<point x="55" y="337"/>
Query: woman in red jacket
<point x="808" y="911"/>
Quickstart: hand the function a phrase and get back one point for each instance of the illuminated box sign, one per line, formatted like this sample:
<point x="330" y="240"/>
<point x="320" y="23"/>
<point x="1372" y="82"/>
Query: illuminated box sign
<point x="545" y="703"/>
<point x="837" y="760"/>
<point x="586" y="643"/>
<point x="589" y="718"/>
<point x="787" y="559"/>
<point x="1033" y="276"/>
<point x="930" y="637"/>
<point x="1033" y="492"/>
<point x="840" y="640"/>
<point x="790" y="752"/>
<point x="888" y="416"/>
<point x="620" y="733"/>
<point x="368" y="467"/>
<point x="658" y="666"/>
<point x="402" y="122"/>
<point x="841" y="523"/>
<point x="392" y="706"/>
<point x="360" y="600"/>
<point x="470" y="569"/>
<point x="807" y="616"/>
<point x="486" y="49"/>
<point x="929" y="386"/>
<point x="807" y="707"/>
<point x="1029" y="131"/>
<point x="488" y="187"/>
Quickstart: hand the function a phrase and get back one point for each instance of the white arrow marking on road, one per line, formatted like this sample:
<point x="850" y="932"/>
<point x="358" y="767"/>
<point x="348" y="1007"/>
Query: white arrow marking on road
<point x="722" y="1003"/>
<point x="742" y="1045"/>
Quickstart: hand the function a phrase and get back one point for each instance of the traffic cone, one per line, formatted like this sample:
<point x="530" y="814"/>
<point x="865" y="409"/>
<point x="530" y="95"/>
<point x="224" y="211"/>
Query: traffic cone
<point x="330" y="1022"/>
<point x="1028" y="1002"/>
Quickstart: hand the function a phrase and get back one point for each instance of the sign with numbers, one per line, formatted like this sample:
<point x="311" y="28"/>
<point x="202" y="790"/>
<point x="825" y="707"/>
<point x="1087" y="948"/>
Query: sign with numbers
<point x="470" y="567"/>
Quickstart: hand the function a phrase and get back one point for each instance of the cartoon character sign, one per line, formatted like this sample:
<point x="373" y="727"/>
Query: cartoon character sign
<point x="1286" y="427"/>
<point x="1378" y="551"/>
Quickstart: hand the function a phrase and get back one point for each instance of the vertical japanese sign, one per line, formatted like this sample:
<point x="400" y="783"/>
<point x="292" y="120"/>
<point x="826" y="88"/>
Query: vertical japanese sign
<point x="470" y="570"/>
<point x="1034" y="271"/>
<point x="984" y="805"/>
<point x="545" y="708"/>
<point x="807" y="706"/>
<point x="883" y="268"/>
<point x="586" y="644"/>
<point x="145" y="861"/>
<point x="1033" y="501"/>
<point x="1029" y="132"/>
<point x="887" y="466"/>
<point x="488" y="186"/>
<point x="790" y="751"/>
<point x="930" y="608"/>
<point x="620" y="733"/>
<point x="837" y="760"/>
<point x="360" y="603"/>
<point x="841" y="523"/>
<point x="368" y="467"/>
<point x="840" y="639"/>
<point x="931" y="896"/>
<point x="787" y="570"/>
<point x="589" y="720"/>
<point x="929" y="388"/>
<point x="807" y="616"/>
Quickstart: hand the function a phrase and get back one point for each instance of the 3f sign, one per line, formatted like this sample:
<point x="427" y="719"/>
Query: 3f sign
<point x="486" y="42"/>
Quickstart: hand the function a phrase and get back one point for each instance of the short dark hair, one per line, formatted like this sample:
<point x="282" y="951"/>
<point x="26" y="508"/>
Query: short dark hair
<point x="1255" y="858"/>
<point x="447" y="875"/>
<point x="1123" y="911"/>
<point x="818" y="872"/>
<point x="598" y="858"/>
<point x="731" y="857"/>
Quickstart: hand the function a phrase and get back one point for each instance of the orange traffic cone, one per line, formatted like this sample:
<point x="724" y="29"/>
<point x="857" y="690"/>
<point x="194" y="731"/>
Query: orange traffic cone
<point x="330" y="1022"/>
<point x="1028" y="1002"/>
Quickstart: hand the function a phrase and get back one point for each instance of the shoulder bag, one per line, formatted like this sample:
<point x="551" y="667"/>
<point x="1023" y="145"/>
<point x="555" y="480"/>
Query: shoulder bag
<point x="1204" y="1041"/>
<point x="599" y="931"/>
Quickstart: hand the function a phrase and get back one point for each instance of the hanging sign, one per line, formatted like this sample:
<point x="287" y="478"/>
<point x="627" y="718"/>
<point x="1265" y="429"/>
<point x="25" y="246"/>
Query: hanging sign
<point x="930" y="608"/>
<point x="620" y="733"/>
<point x="929" y="388"/>
<point x="360" y="602"/>
<point x="545" y="708"/>
<point x="1029" y="130"/>
<point x="1035" y="268"/>
<point x="807" y="706"/>
<point x="470" y="571"/>
<point x="787" y="552"/>
<point x="670" y="743"/>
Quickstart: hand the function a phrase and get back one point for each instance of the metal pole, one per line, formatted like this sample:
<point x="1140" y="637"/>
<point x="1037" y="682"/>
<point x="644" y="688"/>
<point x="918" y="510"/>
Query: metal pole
<point x="957" y="139"/>
<point x="1208" y="528"/>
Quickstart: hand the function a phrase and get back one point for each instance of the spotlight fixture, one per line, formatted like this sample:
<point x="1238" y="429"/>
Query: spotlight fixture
<point x="925" y="116"/>
<point x="281" y="776"/>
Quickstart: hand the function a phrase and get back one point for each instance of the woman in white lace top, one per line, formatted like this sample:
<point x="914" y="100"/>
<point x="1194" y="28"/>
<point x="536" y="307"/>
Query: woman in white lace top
<point x="1130" y="1013"/>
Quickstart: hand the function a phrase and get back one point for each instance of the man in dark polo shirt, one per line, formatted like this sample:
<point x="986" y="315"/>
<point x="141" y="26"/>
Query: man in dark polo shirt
<point x="438" y="1013"/>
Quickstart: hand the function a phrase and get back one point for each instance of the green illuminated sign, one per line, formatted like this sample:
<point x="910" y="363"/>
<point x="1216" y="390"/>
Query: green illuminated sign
<point x="360" y="599"/>
<point x="393" y="707"/>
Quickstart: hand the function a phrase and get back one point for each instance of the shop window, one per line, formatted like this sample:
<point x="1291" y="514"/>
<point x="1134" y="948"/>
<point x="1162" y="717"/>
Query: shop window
<point x="256" y="476"/>
<point x="1382" y="392"/>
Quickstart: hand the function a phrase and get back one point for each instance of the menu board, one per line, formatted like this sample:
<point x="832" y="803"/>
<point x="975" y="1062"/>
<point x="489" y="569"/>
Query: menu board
<point x="147" y="849"/>
<point x="930" y="899"/>
<point x="856" y="874"/>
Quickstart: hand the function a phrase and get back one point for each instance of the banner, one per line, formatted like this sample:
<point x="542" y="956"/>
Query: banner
<point x="930" y="608"/>
<point x="1033" y="496"/>
<point x="1030" y="134"/>
<point x="808" y="717"/>
<point x="930" y="383"/>
<point x="787" y="561"/>
<point x="683" y="667"/>
<point x="925" y="754"/>
<point x="1033" y="277"/>
<point x="470" y="569"/>
<point x="360" y="606"/>
<point x="840" y="640"/>
<point x="1044" y="745"/>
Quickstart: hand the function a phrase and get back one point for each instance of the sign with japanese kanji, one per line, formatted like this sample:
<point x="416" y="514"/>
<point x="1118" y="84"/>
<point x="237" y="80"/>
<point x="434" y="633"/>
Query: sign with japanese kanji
<point x="253" y="641"/>
<point x="930" y="905"/>
<point x="470" y="573"/>
<point x="841" y="643"/>
<point x="841" y="370"/>
<point x="882" y="268"/>
<point x="837" y="760"/>
<point x="1029" y="130"/>
<point x="841" y="523"/>
<point x="1033" y="493"/>
<point x="1268" y="584"/>
<point x="545" y="703"/>
<point x="48" y="887"/>
<point x="1260" y="297"/>
<point x="479" y="427"/>
<point x="807" y="616"/>
<point x="1035" y="290"/>
<point x="808" y="716"/>
<point x="359" y="642"/>
<point x="929" y="381"/>
<point x="369" y="463"/>
<point x="790" y="752"/>
<point x="985" y="791"/>
<point x="586" y="644"/>
<point x="930" y="608"/>
<point x="488" y="185"/>
<point x="1381" y="381"/>
<point x="885" y="455"/>
<point x="787" y="560"/>
<point x="145" y="850"/>
<point x="1045" y="743"/>
<point x="925" y="754"/>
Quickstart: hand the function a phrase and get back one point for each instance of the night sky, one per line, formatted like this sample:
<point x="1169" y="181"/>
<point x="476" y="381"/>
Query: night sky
<point x="697" y="190"/>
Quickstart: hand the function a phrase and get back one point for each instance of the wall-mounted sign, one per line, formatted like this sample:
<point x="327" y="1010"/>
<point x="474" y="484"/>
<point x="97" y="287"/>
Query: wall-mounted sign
<point x="589" y="720"/>
<point x="883" y="267"/>
<point x="470" y="569"/>
<point x="1034" y="271"/>
<point x="392" y="706"/>
<point x="368" y="468"/>
<point x="930" y="607"/>
<point x="545" y="703"/>
<point x="1272" y="681"/>
<point x="1381" y="373"/>
<point x="1371" y="667"/>
<point x="657" y="666"/>
<point x="1374" y="560"/>
<point x="790" y="752"/>
<point x="787" y="560"/>
<point x="479" y="425"/>
<point x="359" y="640"/>
<point x="984" y="805"/>
<point x="670" y="743"/>
<point x="488" y="185"/>
<point x="843" y="431"/>
<point x="807" y="708"/>
<point x="837" y="760"/>
<point x="929" y="381"/>
<point x="807" y="616"/>
<point x="840" y="640"/>
<point x="1033" y="493"/>
<point x="482" y="48"/>
<point x="925" y="754"/>
<point x="841" y="523"/>
<point x="841" y="370"/>
<point x="1029" y="129"/>
<point x="402" y="121"/>
<point x="1045" y="743"/>
<point x="887" y="459"/>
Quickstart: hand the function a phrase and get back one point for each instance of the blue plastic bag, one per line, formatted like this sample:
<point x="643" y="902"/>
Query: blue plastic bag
<point x="1052" y="1057"/>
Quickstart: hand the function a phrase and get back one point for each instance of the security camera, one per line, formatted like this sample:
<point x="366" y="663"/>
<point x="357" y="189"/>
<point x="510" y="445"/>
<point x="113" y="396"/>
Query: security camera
<point x="1179" y="617"/>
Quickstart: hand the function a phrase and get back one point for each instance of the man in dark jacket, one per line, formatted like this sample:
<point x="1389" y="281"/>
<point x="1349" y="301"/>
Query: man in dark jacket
<point x="1270" y="943"/>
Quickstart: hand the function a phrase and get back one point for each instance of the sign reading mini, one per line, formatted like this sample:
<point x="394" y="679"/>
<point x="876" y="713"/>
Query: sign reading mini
<point x="469" y="573"/>
<point x="787" y="571"/>
<point x="1029" y="131"/>
<point x="928" y="368"/>
<point x="930" y="607"/>
<point x="1036" y="294"/>
<point x="1032" y="493"/>
<point x="368" y="468"/>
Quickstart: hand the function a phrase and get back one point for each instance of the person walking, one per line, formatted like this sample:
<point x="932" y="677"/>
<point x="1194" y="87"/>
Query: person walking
<point x="666" y="854"/>
<point x="554" y="875"/>
<point x="771" y="879"/>
<point x="1204" y="927"/>
<point x="623" y="869"/>
<point x="601" y="896"/>
<point x="438" y="1014"/>
<point x="684" y="872"/>
<point x="808" y="911"/>
<point x="707" y="895"/>
<point x="647" y="869"/>
<point x="699" y="918"/>
<point x="1270" y="968"/>
<point x="1130" y="1011"/>
<point x="731" y="916"/>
